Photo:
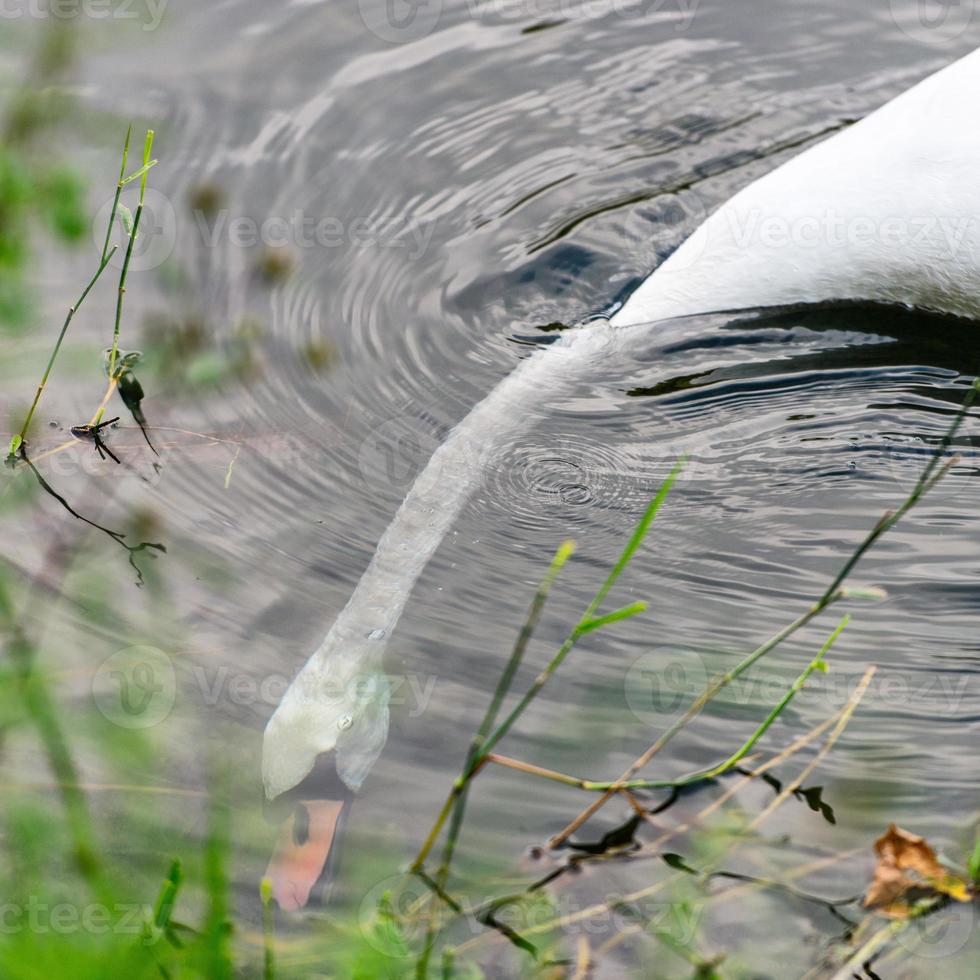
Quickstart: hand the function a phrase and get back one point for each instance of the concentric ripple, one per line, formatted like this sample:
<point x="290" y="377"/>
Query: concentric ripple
<point x="452" y="203"/>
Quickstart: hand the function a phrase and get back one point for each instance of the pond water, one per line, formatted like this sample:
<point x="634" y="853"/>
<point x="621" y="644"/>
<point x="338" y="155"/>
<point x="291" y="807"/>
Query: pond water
<point x="451" y="187"/>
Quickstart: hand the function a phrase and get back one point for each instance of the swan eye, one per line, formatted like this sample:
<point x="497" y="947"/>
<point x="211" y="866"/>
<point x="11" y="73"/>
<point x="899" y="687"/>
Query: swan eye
<point x="344" y="723"/>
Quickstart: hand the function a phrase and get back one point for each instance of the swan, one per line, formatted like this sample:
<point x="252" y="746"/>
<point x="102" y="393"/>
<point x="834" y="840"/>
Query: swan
<point x="884" y="212"/>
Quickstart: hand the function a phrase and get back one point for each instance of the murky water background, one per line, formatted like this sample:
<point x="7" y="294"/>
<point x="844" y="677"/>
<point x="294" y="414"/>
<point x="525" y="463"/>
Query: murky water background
<point x="447" y="193"/>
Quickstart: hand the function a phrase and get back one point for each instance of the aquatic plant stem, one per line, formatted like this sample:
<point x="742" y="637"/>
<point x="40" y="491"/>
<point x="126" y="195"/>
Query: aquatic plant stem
<point x="485" y="739"/>
<point x="16" y="441"/>
<point x="487" y="736"/>
<point x="503" y="687"/>
<point x="605" y="908"/>
<point x="217" y="845"/>
<point x="653" y="848"/>
<point x="532" y="770"/>
<point x="106" y="257"/>
<point x="931" y="475"/>
<point x="719" y="770"/>
<point x="455" y="805"/>
<point x="268" y="930"/>
<point x="565" y="552"/>
<point x="589" y="622"/>
<point x="119" y="187"/>
<point x="142" y="173"/>
<point x="855" y="699"/>
<point x="713" y="689"/>
<point x="871" y="949"/>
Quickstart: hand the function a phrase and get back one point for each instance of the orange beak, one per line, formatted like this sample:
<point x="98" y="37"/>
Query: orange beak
<point x="302" y="851"/>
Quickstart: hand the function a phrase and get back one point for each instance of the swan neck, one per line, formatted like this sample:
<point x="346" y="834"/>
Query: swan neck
<point x="454" y="473"/>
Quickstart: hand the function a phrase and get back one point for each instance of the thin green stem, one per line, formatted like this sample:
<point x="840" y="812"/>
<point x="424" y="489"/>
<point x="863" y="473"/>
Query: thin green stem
<point x="818" y="663"/>
<point x="484" y="743"/>
<point x="597" y="787"/>
<point x="587" y="622"/>
<point x="493" y="710"/>
<point x="503" y="687"/>
<point x="119" y="187"/>
<point x="216" y="851"/>
<point x="147" y="150"/>
<point x="436" y="828"/>
<point x="458" y="811"/>
<point x="486" y="736"/>
<point x="268" y="930"/>
<point x="932" y="474"/>
<point x="107" y="254"/>
<point x="711" y="691"/>
<point x="929" y="478"/>
<point x="15" y="443"/>
<point x="520" y="647"/>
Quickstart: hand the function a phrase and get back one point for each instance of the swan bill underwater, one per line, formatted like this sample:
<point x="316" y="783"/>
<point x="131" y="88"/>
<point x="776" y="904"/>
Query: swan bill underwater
<point x="312" y="818"/>
<point x="886" y="211"/>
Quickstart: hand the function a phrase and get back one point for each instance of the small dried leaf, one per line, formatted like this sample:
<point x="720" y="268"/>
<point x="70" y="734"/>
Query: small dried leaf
<point x="126" y="216"/>
<point x="908" y="870"/>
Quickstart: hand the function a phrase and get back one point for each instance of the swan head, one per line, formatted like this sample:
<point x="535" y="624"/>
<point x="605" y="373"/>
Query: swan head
<point x="339" y="703"/>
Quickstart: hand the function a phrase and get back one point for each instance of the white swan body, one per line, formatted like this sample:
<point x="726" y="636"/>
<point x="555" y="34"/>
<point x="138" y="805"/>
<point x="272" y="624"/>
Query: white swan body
<point x="885" y="211"/>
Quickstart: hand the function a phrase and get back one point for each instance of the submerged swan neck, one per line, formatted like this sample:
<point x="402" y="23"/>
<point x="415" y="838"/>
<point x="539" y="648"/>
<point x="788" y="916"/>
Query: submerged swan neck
<point x="454" y="472"/>
<point x="339" y="700"/>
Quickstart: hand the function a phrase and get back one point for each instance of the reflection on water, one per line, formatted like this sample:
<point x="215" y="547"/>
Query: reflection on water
<point x="448" y="196"/>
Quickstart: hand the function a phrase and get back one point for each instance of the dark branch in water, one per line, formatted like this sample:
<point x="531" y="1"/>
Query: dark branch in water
<point x="678" y="863"/>
<point x="116" y="536"/>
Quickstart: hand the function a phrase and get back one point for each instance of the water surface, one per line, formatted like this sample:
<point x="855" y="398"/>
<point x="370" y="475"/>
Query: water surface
<point x="449" y="198"/>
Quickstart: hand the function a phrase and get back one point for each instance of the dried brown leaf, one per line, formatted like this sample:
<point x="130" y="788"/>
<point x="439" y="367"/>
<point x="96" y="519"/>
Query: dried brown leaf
<point x="908" y="870"/>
